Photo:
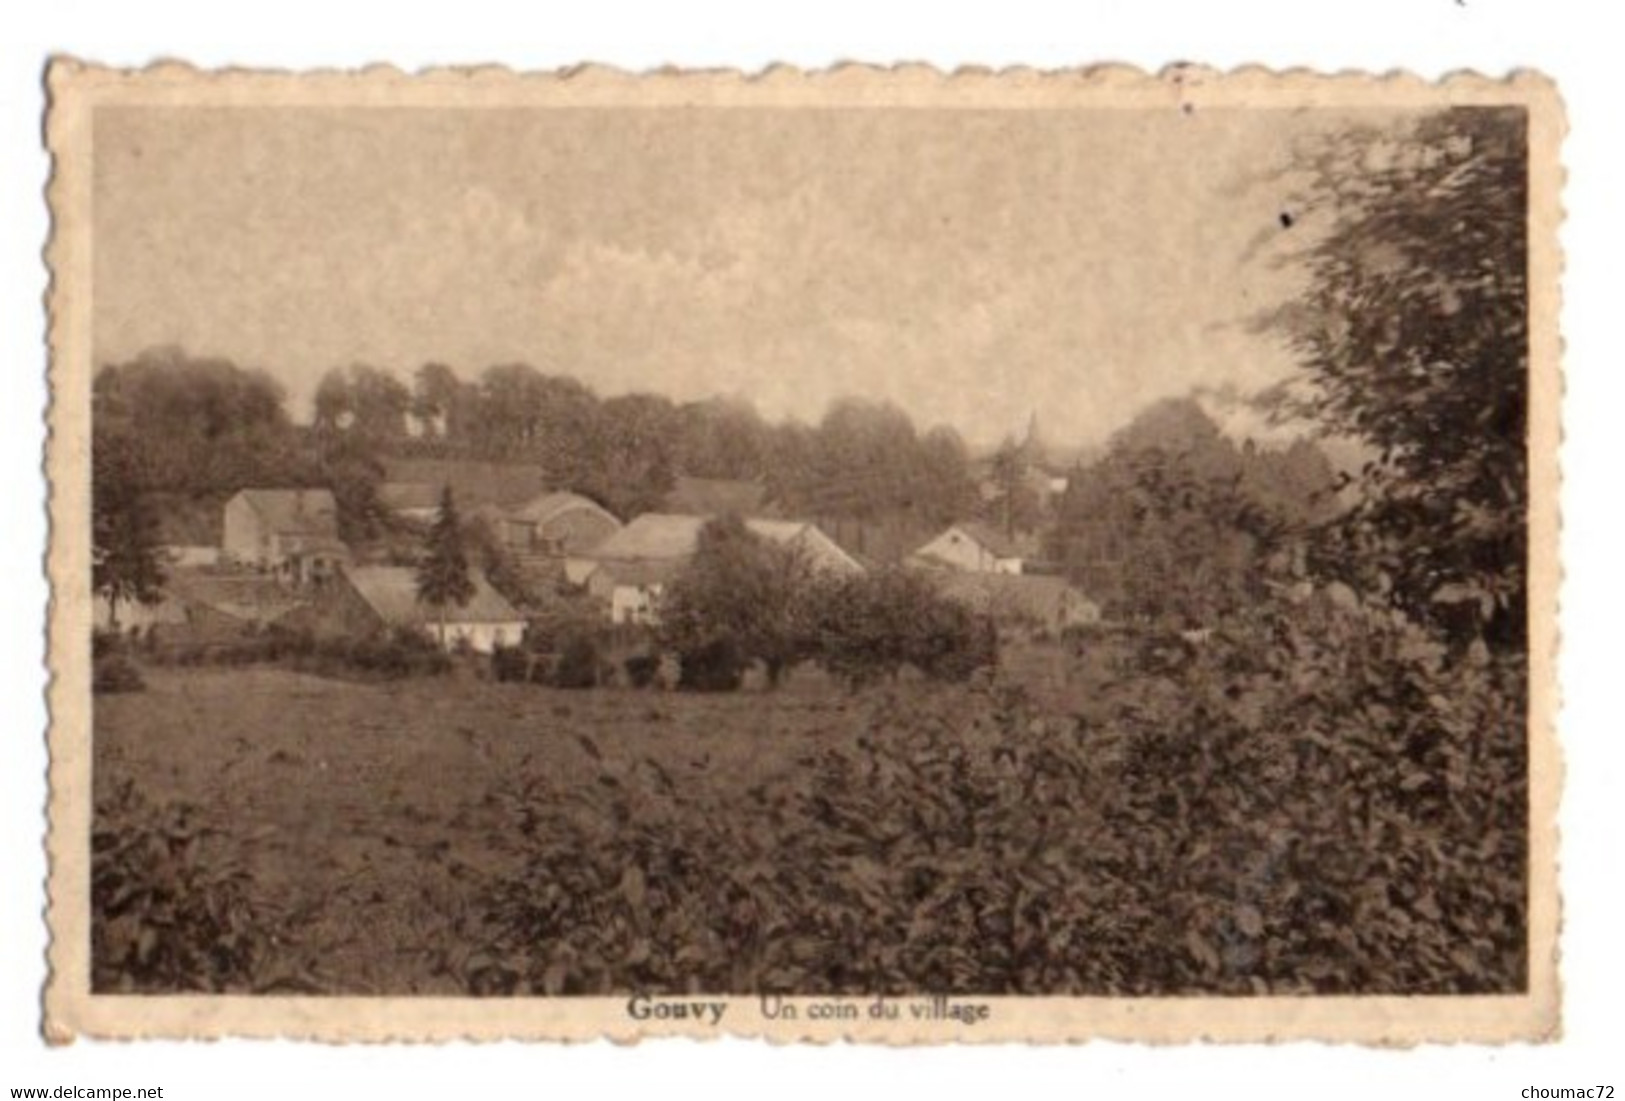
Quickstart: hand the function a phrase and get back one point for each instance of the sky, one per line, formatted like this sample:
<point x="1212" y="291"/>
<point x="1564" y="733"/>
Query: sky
<point x="974" y="267"/>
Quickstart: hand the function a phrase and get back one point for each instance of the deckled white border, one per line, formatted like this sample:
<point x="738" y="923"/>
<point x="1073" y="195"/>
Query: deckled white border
<point x="76" y="89"/>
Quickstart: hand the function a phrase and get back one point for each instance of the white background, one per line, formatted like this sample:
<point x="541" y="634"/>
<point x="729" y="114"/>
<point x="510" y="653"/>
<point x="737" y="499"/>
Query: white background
<point x="1431" y="37"/>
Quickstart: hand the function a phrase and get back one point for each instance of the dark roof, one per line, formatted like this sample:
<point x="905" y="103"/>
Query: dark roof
<point x="715" y="497"/>
<point x="550" y="506"/>
<point x="472" y="483"/>
<point x="251" y="597"/>
<point x="392" y="592"/>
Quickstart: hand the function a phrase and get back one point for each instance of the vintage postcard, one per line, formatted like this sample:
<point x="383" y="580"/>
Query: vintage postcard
<point x="874" y="554"/>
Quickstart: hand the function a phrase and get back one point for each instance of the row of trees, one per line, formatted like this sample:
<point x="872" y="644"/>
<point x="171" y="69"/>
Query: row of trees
<point x="862" y="459"/>
<point x="195" y="425"/>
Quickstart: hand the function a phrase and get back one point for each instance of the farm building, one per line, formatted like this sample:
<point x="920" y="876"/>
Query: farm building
<point x="294" y="532"/>
<point x="562" y="525"/>
<point x="631" y="590"/>
<point x="665" y="537"/>
<point x="1029" y="601"/>
<point x="370" y="598"/>
<point x="632" y="566"/>
<point x="972" y="547"/>
<point x="411" y="487"/>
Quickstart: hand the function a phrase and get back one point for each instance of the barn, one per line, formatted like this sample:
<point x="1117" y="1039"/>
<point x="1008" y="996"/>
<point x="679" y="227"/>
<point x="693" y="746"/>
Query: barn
<point x="293" y="532"/>
<point x="383" y="597"/>
<point x="973" y="547"/>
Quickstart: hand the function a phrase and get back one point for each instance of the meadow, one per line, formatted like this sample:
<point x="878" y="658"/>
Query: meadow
<point x="1125" y="819"/>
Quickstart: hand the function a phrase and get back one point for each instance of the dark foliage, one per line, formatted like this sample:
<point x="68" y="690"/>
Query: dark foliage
<point x="125" y="568"/>
<point x="873" y="625"/>
<point x="170" y="905"/>
<point x="443" y="577"/>
<point x="1176" y="524"/>
<point x="1415" y="332"/>
<point x="1312" y="803"/>
<point x="741" y="598"/>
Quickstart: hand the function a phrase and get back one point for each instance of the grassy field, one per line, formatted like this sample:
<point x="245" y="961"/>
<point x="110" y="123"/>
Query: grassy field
<point x="1274" y="817"/>
<point x="364" y="812"/>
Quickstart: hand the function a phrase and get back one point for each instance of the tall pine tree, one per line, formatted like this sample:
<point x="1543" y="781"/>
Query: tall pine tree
<point x="443" y="578"/>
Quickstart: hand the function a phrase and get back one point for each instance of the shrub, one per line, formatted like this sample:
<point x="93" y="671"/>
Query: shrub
<point x="714" y="666"/>
<point x="114" y="672"/>
<point x="577" y="664"/>
<point x="641" y="669"/>
<point x="171" y="908"/>
<point x="510" y="663"/>
<point x="871" y="626"/>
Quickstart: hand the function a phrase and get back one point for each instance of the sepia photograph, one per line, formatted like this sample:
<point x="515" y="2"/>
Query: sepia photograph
<point x="861" y="555"/>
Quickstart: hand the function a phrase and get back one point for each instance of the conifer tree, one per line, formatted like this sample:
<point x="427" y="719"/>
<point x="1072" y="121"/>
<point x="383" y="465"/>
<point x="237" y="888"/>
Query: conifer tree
<point x="443" y="577"/>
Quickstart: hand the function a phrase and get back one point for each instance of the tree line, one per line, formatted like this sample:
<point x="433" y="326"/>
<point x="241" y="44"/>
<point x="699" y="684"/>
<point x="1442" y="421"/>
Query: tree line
<point x="200" y="424"/>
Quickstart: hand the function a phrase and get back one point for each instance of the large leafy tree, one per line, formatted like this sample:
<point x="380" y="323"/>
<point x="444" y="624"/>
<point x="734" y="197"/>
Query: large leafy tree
<point x="196" y="424"/>
<point x="1167" y="525"/>
<point x="443" y="577"/>
<point x="742" y="594"/>
<point x="1414" y="329"/>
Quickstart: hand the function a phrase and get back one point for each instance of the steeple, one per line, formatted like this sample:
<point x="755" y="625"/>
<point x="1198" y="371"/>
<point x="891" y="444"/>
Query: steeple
<point x="1033" y="448"/>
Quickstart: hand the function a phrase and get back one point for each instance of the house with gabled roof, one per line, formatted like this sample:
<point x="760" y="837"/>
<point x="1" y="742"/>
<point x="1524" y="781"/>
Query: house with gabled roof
<point x="632" y="567"/>
<point x="971" y="546"/>
<point x="373" y="598"/>
<point x="561" y="526"/>
<point x="292" y="532"/>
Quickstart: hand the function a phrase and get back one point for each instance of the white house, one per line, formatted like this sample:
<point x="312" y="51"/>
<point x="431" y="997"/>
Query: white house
<point x="972" y="547"/>
<point x="631" y="590"/>
<point x="387" y="596"/>
<point x="292" y="531"/>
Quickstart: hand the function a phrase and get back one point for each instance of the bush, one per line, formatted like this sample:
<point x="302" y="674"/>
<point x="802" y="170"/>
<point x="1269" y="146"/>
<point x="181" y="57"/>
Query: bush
<point x="641" y="669"/>
<point x="171" y="908"/>
<point x="578" y="663"/>
<point x="510" y="664"/>
<point x="714" y="666"/>
<point x="875" y="624"/>
<point x="114" y="672"/>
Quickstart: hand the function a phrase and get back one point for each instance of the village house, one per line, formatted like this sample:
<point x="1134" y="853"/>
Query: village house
<point x="1019" y="601"/>
<point x="562" y="526"/>
<point x="632" y="567"/>
<point x="631" y="591"/>
<point x="972" y="547"/>
<point x="292" y="532"/>
<point x="367" y="599"/>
